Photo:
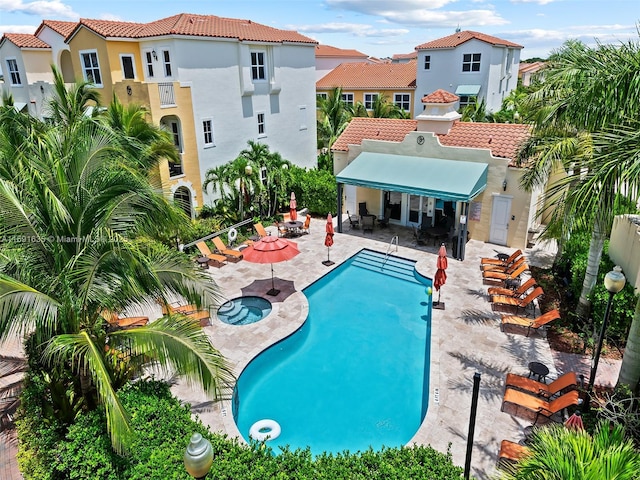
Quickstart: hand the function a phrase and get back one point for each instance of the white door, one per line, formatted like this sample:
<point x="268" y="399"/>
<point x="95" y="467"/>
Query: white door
<point x="500" y="214"/>
<point x="350" y="199"/>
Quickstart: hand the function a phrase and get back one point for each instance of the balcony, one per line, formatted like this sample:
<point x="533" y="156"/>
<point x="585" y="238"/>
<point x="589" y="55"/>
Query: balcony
<point x="175" y="169"/>
<point x="167" y="95"/>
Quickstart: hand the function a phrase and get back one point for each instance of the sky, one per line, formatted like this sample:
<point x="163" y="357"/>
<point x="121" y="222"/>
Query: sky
<point x="378" y="28"/>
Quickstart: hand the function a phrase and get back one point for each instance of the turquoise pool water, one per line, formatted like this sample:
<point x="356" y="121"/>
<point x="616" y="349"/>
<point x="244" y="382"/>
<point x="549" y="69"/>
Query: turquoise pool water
<point x="244" y="310"/>
<point x="356" y="373"/>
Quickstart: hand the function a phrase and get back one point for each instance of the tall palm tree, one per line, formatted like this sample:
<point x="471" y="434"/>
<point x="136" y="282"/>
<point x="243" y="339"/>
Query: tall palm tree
<point x="334" y="118"/>
<point x="68" y="106"/>
<point x="76" y="222"/>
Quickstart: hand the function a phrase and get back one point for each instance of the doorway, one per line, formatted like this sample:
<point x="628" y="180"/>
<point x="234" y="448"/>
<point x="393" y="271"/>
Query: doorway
<point x="500" y="214"/>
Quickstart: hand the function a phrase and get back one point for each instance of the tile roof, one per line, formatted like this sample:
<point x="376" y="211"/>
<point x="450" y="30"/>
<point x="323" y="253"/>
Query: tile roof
<point x="501" y="138"/>
<point x="63" y="28"/>
<point x="530" y="67"/>
<point x="196" y="25"/>
<point x="404" y="56"/>
<point x="440" y="96"/>
<point x="329" y="51"/>
<point x="362" y="75"/>
<point x="459" y="38"/>
<point x="25" y="40"/>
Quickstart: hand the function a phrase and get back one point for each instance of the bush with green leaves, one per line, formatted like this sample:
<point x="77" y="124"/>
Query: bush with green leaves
<point x="163" y="427"/>
<point x="315" y="190"/>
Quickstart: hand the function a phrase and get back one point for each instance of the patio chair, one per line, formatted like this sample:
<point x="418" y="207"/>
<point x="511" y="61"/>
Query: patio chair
<point x="260" y="232"/>
<point x="362" y="209"/>
<point x="192" y="312"/>
<point x="307" y="222"/>
<point x="501" y="302"/>
<point x="367" y="223"/>
<point x="384" y="222"/>
<point x="215" y="260"/>
<point x="499" y="278"/>
<point x="232" y="255"/>
<point x="529" y="323"/>
<point x="354" y="220"/>
<point x="510" y="292"/>
<point x="510" y="453"/>
<point x="563" y="384"/>
<point x="116" y="321"/>
<point x="418" y="236"/>
<point x="499" y="268"/>
<point x="527" y="404"/>
<point x="502" y="262"/>
<point x="282" y="230"/>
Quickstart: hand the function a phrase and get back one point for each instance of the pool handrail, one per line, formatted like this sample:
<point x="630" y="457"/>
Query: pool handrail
<point x="386" y="256"/>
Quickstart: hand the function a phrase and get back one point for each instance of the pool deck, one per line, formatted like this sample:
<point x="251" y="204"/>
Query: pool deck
<point x="466" y="337"/>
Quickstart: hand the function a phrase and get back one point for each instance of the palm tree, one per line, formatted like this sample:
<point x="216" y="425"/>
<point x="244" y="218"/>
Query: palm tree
<point x="334" y="118"/>
<point x="69" y="106"/>
<point x="380" y="108"/>
<point x="76" y="221"/>
<point x="559" y="453"/>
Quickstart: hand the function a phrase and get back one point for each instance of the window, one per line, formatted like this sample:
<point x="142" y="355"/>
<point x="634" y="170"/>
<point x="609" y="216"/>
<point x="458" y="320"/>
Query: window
<point x="427" y="62"/>
<point x="303" y="117"/>
<point x="175" y="132"/>
<point x="347" y="98"/>
<point x="466" y="100"/>
<point x="91" y="67"/>
<point x="207" y="130"/>
<point x="128" y="71"/>
<point x="261" y="129"/>
<point x="149" y="62"/>
<point x="471" y="62"/>
<point x="369" y="100"/>
<point x="263" y="175"/>
<point x="257" y="66"/>
<point x="402" y="100"/>
<point x="166" y="60"/>
<point x="12" y="65"/>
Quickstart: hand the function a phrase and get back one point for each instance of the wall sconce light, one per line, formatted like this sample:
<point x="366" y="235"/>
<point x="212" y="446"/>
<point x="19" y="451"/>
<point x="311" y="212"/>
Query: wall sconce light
<point x="42" y="89"/>
<point x="504" y="185"/>
<point x="155" y="55"/>
<point x="129" y="91"/>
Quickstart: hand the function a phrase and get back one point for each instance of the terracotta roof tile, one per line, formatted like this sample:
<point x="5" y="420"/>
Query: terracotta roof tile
<point x="404" y="56"/>
<point x="440" y="96"/>
<point x="196" y="25"/>
<point x="25" y="40"/>
<point x="501" y="138"/>
<point x="362" y="75"/>
<point x="530" y="67"/>
<point x="329" y="51"/>
<point x="63" y="28"/>
<point x="361" y="128"/>
<point x="459" y="38"/>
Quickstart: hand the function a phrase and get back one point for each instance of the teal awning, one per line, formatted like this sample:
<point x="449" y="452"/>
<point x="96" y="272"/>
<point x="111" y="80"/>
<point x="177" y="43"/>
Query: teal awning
<point x="468" y="90"/>
<point x="450" y="180"/>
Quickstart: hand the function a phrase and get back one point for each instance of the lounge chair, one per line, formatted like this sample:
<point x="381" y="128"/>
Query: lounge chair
<point x="530" y="323"/>
<point x="509" y="292"/>
<point x="354" y="220"/>
<point x="525" y="403"/>
<point x="307" y="222"/>
<point x="260" y="231"/>
<point x="367" y="223"/>
<point x="502" y="302"/>
<point x="503" y="268"/>
<point x="116" y="321"/>
<point x="215" y="260"/>
<point x="563" y="384"/>
<point x="502" y="262"/>
<point x="190" y="311"/>
<point x="511" y="452"/>
<point x="282" y="230"/>
<point x="232" y="255"/>
<point x="500" y="278"/>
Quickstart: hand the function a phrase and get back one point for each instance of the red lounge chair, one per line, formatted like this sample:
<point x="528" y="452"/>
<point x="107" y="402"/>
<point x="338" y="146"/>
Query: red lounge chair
<point x="215" y="259"/>
<point x="503" y="268"/>
<point x="530" y="404"/>
<point x="530" y="323"/>
<point x="499" y="278"/>
<point x="232" y="255"/>
<point x="496" y="261"/>
<point x="124" y="322"/>
<point x="511" y="452"/>
<point x="500" y="302"/>
<point x="562" y="384"/>
<point x="508" y="292"/>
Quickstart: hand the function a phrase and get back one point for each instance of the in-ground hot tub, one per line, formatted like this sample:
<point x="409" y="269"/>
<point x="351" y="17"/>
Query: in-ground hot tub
<point x="244" y="310"/>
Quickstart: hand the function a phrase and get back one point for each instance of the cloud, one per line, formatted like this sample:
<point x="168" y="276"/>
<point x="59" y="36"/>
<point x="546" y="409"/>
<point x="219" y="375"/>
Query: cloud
<point x="539" y="2"/>
<point x="356" y="29"/>
<point x="18" y="28"/>
<point x="41" y="8"/>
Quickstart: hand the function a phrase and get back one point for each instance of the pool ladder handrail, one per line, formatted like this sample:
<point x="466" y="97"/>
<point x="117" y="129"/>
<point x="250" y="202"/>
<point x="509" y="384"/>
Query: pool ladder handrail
<point x="386" y="256"/>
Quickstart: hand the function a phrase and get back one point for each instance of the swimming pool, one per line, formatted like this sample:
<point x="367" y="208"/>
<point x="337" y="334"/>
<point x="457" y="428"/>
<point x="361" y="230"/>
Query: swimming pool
<point x="356" y="373"/>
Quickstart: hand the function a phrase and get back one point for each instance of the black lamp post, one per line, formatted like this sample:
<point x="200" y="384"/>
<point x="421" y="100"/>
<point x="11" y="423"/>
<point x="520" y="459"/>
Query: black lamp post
<point x="614" y="282"/>
<point x="198" y="457"/>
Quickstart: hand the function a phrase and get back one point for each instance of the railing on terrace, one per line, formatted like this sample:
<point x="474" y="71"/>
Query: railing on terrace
<point x="215" y="234"/>
<point x="167" y="96"/>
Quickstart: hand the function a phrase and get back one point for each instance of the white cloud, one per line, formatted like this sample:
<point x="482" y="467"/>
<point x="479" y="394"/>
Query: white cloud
<point x="42" y="8"/>
<point x="17" y="29"/>
<point x="539" y="2"/>
<point x="376" y="7"/>
<point x="356" y="29"/>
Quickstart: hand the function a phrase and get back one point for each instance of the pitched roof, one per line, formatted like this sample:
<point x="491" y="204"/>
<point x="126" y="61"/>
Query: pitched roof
<point x="459" y="38"/>
<point x="63" y="28"/>
<point x="440" y="96"/>
<point x="362" y="75"/>
<point x="530" y="67"/>
<point x="405" y="56"/>
<point x="24" y="40"/>
<point x="195" y="25"/>
<point x="329" y="51"/>
<point x="501" y="138"/>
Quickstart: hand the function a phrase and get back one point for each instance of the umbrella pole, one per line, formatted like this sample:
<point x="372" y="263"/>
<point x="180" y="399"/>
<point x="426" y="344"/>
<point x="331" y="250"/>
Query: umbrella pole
<point x="328" y="262"/>
<point x="273" y="292"/>
<point x="438" y="305"/>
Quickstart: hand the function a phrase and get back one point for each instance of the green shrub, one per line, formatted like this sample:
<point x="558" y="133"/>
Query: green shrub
<point x="316" y="190"/>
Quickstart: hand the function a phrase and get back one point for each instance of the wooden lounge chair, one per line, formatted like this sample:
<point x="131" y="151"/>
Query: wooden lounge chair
<point x="520" y="292"/>
<point x="232" y="255"/>
<point x="260" y="231"/>
<point x="190" y="311"/>
<point x="563" y="384"/>
<point x="511" y="452"/>
<point x="524" y="403"/>
<point x="307" y="222"/>
<point x="502" y="302"/>
<point x="499" y="278"/>
<point x="215" y="260"/>
<point x="503" y="268"/>
<point x="116" y="321"/>
<point x="530" y="323"/>
<point x="504" y="262"/>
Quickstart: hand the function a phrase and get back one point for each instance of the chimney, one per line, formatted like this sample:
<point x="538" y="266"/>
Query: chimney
<point x="439" y="112"/>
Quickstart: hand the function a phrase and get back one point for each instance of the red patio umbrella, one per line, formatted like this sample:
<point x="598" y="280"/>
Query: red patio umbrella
<point x="293" y="213"/>
<point x="440" y="277"/>
<point x="271" y="250"/>
<point x="574" y="422"/>
<point x="328" y="240"/>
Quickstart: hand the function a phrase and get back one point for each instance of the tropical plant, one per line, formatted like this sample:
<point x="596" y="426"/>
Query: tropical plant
<point x="477" y="112"/>
<point x="68" y="106"/>
<point x="381" y="107"/>
<point x="334" y="118"/>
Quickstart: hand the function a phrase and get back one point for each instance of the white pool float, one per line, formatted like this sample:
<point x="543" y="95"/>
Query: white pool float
<point x="265" y="430"/>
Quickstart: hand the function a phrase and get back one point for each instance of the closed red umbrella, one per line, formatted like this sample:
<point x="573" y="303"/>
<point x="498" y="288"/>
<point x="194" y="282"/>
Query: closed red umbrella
<point x="440" y="277"/>
<point x="293" y="213"/>
<point x="328" y="239"/>
<point x="574" y="422"/>
<point x="271" y="250"/>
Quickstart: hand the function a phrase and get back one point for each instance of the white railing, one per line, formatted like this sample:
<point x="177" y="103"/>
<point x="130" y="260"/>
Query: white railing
<point x="386" y="256"/>
<point x="167" y="96"/>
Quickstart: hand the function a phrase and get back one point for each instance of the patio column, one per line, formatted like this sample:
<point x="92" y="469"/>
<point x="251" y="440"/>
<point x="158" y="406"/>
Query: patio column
<point x="339" y="212"/>
<point x="462" y="231"/>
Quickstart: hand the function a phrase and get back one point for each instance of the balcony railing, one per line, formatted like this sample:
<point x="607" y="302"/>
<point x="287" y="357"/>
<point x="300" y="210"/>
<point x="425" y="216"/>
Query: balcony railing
<point x="175" y="169"/>
<point x="167" y="96"/>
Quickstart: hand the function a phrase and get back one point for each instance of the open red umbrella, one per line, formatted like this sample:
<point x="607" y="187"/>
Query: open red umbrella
<point x="328" y="240"/>
<point x="293" y="213"/>
<point x="271" y="250"/>
<point x="440" y="277"/>
<point x="574" y="422"/>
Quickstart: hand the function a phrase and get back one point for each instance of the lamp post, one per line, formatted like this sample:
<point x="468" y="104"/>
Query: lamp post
<point x="614" y="282"/>
<point x="198" y="457"/>
<point x="248" y="170"/>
